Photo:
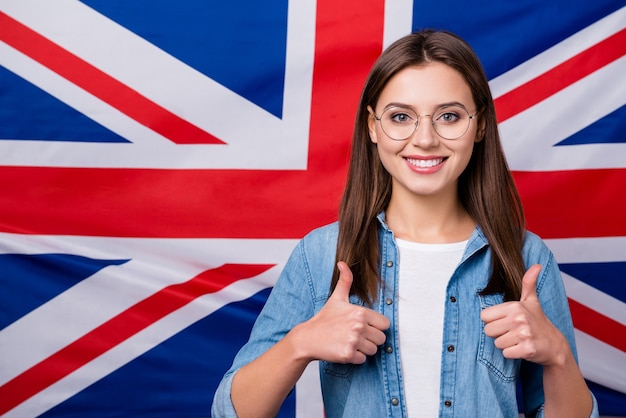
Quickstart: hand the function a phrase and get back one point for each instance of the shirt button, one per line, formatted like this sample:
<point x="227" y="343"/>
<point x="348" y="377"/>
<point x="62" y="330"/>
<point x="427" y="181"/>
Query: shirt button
<point x="452" y="299"/>
<point x="447" y="403"/>
<point x="389" y="349"/>
<point x="389" y="263"/>
<point x="395" y="401"/>
<point x="388" y="301"/>
<point x="450" y="349"/>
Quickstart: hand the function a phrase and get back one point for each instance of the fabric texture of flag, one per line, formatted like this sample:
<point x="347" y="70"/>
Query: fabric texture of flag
<point x="159" y="161"/>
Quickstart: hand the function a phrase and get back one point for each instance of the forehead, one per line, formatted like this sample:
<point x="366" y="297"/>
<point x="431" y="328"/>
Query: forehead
<point x="426" y="86"/>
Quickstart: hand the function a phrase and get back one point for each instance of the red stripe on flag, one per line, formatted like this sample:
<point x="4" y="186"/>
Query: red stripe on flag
<point x="217" y="203"/>
<point x="598" y="326"/>
<point x="577" y="203"/>
<point x="561" y="76"/>
<point x="118" y="329"/>
<point x="101" y="85"/>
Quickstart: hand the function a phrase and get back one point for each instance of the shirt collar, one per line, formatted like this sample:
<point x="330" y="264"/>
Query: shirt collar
<point x="476" y="241"/>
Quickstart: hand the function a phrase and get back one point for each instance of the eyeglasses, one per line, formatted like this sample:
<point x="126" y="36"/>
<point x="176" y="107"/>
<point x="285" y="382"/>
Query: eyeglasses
<point x="400" y="123"/>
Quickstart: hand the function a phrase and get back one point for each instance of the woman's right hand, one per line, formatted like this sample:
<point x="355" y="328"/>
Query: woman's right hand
<point x="342" y="332"/>
<point x="339" y="333"/>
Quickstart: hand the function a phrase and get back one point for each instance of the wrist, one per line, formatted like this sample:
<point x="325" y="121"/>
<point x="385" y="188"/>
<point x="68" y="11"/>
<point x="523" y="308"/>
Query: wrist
<point x="299" y="344"/>
<point x="562" y="355"/>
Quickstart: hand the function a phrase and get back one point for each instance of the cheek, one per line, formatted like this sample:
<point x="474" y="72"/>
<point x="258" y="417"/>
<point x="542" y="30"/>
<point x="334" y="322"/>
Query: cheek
<point x="388" y="152"/>
<point x="466" y="155"/>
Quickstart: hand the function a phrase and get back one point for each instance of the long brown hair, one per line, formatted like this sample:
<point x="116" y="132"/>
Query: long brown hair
<point x="486" y="188"/>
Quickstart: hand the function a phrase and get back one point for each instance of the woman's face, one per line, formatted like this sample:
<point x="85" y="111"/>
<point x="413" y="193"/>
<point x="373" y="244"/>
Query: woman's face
<point x="425" y="163"/>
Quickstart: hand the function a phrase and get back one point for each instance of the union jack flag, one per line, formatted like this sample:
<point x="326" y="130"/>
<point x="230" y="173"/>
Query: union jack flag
<point x="159" y="160"/>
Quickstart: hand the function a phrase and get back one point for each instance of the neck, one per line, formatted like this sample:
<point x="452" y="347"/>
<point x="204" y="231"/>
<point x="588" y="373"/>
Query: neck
<point x="429" y="219"/>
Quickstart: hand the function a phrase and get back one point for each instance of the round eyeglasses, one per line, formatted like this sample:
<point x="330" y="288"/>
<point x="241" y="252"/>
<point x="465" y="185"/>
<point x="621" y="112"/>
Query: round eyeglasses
<point x="400" y="123"/>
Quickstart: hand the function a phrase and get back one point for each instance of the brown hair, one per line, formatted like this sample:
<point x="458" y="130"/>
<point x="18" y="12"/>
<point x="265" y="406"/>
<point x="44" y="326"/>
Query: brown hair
<point x="486" y="188"/>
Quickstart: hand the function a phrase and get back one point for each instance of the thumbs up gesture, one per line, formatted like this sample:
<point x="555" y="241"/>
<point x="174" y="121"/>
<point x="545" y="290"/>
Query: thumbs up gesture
<point x="521" y="329"/>
<point x="342" y="332"/>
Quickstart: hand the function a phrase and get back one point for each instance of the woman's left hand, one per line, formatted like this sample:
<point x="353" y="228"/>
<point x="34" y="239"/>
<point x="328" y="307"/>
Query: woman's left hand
<point x="522" y="330"/>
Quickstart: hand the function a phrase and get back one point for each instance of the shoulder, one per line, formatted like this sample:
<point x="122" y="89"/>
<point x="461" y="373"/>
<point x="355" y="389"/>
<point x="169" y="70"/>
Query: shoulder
<point x="313" y="260"/>
<point x="317" y="248"/>
<point x="534" y="249"/>
<point x="323" y="239"/>
<point x="325" y="232"/>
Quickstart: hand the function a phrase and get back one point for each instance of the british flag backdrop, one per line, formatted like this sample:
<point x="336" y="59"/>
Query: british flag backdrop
<point x="159" y="160"/>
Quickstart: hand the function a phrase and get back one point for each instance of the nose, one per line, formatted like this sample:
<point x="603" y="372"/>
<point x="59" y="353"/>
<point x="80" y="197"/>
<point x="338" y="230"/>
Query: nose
<point x="425" y="135"/>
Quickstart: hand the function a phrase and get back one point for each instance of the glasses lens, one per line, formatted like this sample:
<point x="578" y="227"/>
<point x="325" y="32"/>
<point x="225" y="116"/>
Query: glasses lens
<point x="451" y="122"/>
<point x="398" y="123"/>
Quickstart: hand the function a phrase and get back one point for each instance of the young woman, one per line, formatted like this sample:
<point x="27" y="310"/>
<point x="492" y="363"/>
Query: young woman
<point x="428" y="297"/>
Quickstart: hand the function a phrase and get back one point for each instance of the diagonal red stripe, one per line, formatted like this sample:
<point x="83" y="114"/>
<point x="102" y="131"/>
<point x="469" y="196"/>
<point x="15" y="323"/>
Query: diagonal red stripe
<point x="574" y="203"/>
<point x="598" y="326"/>
<point x="101" y="85"/>
<point x="561" y="76"/>
<point x="118" y="329"/>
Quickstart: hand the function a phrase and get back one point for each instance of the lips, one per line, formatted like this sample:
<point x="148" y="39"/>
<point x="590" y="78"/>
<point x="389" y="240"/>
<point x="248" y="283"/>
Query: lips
<point x="425" y="163"/>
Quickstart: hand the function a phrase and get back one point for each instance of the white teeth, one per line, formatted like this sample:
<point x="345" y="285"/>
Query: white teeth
<point x="425" y="163"/>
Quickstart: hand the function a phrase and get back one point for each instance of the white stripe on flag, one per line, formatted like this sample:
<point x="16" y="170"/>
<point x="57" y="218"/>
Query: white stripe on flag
<point x="600" y="362"/>
<point x="398" y="20"/>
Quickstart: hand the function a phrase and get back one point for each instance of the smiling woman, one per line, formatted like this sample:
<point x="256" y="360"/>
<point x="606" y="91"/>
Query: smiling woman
<point x="428" y="297"/>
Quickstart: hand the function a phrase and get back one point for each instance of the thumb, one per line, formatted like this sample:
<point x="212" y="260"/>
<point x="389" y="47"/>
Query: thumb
<point x="342" y="288"/>
<point x="529" y="283"/>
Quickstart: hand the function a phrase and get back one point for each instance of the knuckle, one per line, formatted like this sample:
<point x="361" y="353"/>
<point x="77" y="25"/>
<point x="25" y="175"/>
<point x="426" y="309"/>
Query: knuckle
<point x="357" y="328"/>
<point x="520" y="319"/>
<point x="525" y="333"/>
<point x="358" y="314"/>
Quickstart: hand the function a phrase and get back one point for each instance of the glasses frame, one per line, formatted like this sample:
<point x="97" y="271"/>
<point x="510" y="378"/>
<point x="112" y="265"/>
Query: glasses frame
<point x="417" y="122"/>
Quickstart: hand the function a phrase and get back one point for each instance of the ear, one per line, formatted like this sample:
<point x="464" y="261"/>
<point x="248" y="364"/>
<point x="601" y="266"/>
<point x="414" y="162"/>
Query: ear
<point x="371" y="125"/>
<point x="480" y="132"/>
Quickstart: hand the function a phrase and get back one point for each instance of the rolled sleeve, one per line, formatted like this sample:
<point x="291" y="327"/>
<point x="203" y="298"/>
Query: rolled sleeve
<point x="222" y="404"/>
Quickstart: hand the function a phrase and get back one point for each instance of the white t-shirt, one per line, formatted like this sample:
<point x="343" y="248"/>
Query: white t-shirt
<point x="425" y="270"/>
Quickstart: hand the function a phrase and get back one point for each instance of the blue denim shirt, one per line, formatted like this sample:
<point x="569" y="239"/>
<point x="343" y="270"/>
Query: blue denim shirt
<point x="476" y="379"/>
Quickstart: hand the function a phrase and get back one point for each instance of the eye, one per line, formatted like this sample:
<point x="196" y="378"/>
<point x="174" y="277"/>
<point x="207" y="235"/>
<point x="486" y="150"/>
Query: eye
<point x="448" y="115"/>
<point x="400" y="116"/>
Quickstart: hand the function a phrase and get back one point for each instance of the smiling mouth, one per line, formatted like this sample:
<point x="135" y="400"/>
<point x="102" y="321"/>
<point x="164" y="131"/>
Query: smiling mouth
<point x="425" y="163"/>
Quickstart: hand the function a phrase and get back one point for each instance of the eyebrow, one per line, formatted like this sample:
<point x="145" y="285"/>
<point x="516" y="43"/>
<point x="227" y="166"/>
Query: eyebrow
<point x="406" y="106"/>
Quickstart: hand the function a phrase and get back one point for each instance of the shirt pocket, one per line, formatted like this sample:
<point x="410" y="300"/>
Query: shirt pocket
<point x="337" y="369"/>
<point x="488" y="354"/>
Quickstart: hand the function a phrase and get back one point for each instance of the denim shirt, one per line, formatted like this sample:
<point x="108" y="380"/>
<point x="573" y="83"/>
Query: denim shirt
<point x="476" y="379"/>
